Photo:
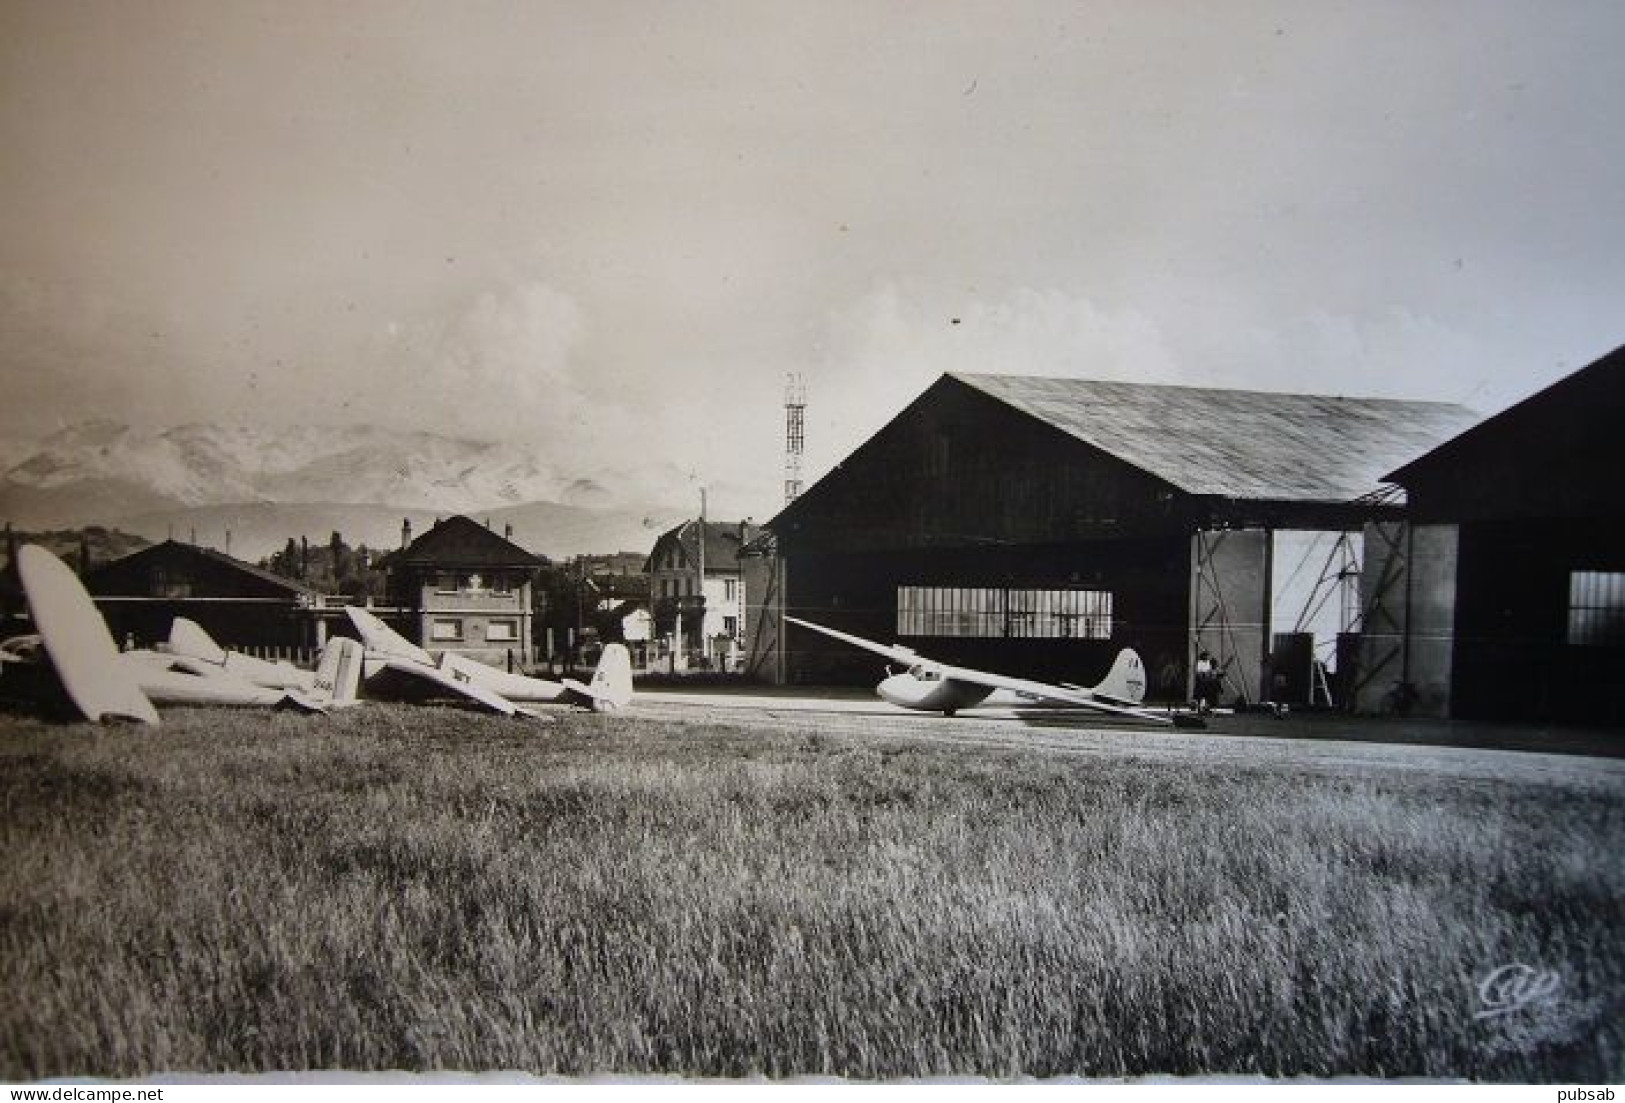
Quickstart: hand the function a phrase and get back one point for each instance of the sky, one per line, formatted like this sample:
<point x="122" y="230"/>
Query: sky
<point x="608" y="231"/>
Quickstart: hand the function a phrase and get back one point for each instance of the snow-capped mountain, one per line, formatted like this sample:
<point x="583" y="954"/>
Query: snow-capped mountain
<point x="200" y="476"/>
<point x="197" y="465"/>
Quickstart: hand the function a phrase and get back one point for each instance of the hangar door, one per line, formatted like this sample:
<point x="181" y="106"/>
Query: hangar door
<point x="1229" y="615"/>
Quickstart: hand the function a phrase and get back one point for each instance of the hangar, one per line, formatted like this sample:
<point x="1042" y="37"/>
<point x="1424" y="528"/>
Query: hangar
<point x="1035" y="525"/>
<point x="1503" y="597"/>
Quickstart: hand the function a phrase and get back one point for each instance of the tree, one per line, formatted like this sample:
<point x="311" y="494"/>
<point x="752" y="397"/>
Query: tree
<point x="340" y="553"/>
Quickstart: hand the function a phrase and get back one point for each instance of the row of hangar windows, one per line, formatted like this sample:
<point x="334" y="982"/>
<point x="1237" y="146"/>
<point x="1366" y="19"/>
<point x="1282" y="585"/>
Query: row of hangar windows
<point x="1004" y="612"/>
<point x="1596" y="611"/>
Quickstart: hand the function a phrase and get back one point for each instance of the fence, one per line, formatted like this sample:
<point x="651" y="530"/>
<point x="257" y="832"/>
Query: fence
<point x="298" y="656"/>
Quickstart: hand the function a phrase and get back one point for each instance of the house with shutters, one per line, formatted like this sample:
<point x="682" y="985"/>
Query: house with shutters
<point x="696" y="593"/>
<point x="468" y="590"/>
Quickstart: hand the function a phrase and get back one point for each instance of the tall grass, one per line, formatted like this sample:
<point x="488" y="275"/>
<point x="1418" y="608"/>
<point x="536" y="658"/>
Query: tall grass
<point x="429" y="889"/>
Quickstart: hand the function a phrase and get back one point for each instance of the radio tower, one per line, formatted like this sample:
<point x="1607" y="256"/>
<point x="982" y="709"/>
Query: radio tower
<point x="795" y="411"/>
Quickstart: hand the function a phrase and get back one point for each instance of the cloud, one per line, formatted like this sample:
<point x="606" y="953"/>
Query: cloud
<point x="506" y="364"/>
<point x="69" y="355"/>
<point x="885" y="348"/>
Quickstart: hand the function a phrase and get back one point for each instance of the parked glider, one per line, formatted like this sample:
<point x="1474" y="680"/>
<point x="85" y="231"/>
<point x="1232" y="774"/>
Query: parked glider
<point x="76" y="638"/>
<point x="170" y="679"/>
<point x="187" y="639"/>
<point x="930" y="686"/>
<point x="103" y="682"/>
<point x="395" y="666"/>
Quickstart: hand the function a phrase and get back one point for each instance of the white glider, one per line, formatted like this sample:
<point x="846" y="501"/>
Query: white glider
<point x="397" y="667"/>
<point x="187" y="639"/>
<point x="76" y="638"/>
<point x="930" y="686"/>
<point x="170" y="679"/>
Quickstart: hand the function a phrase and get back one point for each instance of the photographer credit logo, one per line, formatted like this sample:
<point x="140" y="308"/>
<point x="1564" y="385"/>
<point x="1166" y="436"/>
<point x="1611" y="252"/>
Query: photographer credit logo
<point x="1515" y="987"/>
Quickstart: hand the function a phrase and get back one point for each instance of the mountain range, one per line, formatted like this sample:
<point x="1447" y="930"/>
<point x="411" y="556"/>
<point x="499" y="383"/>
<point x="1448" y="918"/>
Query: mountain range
<point x="202" y="481"/>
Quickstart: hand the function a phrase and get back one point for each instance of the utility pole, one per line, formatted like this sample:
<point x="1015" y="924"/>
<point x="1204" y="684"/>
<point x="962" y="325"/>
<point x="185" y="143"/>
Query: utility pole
<point x="700" y="589"/>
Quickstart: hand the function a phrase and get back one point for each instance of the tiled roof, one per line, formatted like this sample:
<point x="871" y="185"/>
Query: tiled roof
<point x="460" y="542"/>
<point x="723" y="540"/>
<point x="246" y="568"/>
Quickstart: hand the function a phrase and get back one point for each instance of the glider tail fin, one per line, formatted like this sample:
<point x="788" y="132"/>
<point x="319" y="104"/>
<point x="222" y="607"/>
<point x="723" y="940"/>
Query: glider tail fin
<point x="187" y="637"/>
<point x="1125" y="681"/>
<point x="611" y="684"/>
<point x="338" y="677"/>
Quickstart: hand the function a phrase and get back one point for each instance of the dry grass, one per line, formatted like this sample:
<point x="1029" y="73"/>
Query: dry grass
<point x="429" y="889"/>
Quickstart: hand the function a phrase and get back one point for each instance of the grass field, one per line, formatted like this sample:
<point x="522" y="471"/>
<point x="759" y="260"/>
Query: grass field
<point x="399" y="888"/>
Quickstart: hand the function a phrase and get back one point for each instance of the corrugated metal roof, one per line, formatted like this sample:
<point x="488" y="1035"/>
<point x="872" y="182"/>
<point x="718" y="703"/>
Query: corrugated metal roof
<point x="1237" y="444"/>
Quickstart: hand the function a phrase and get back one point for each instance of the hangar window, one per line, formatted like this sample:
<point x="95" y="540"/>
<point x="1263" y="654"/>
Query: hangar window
<point x="1004" y="612"/>
<point x="1597" y="608"/>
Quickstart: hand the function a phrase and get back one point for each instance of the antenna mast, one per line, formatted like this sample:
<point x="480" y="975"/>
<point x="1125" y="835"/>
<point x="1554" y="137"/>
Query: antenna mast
<point x="795" y="420"/>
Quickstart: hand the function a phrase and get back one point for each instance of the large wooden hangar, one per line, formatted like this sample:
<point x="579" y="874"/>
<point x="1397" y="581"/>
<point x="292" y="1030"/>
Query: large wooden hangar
<point x="1036" y="525"/>
<point x="1503" y="595"/>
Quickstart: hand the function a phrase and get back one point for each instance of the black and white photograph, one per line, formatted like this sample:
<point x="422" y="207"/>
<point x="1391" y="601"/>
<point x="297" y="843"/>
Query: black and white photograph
<point x="895" y="542"/>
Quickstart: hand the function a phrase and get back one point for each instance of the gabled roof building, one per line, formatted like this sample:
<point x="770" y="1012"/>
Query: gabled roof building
<point x="467" y="590"/>
<point x="237" y="603"/>
<point x="1036" y="525"/>
<point x="1503" y="597"/>
<point x="698" y="618"/>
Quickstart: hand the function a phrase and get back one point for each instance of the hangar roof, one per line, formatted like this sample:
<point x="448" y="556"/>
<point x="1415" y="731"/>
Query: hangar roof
<point x="1558" y="453"/>
<point x="1237" y="444"/>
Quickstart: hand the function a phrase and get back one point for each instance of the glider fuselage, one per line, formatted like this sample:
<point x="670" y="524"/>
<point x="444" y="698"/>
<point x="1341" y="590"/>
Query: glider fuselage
<point x="928" y="690"/>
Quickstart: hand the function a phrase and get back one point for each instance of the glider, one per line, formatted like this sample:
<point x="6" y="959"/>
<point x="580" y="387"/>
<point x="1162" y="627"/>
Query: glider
<point x="187" y="639"/>
<point x="74" y="635"/>
<point x="930" y="686"/>
<point x="105" y="683"/>
<point x="397" y="667"/>
<point x="170" y="679"/>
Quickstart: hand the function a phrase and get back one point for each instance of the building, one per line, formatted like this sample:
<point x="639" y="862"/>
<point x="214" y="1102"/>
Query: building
<point x="240" y="605"/>
<point x="696" y="590"/>
<point x="1036" y="525"/>
<point x="463" y="588"/>
<point x="1503" y="597"/>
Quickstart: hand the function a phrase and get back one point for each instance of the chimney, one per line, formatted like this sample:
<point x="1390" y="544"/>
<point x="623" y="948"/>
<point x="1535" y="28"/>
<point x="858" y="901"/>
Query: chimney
<point x="406" y="531"/>
<point x="507" y="532"/>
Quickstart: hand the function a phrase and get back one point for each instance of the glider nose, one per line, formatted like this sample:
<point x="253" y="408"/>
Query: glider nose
<point x="897" y="690"/>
